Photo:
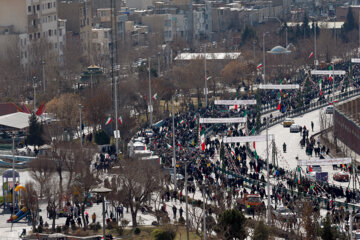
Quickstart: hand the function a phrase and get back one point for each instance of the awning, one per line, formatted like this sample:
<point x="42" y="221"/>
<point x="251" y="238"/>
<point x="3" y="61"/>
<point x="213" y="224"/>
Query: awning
<point x="17" y="120"/>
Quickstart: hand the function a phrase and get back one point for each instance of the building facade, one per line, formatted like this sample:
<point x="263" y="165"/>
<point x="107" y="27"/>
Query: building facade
<point x="35" y="28"/>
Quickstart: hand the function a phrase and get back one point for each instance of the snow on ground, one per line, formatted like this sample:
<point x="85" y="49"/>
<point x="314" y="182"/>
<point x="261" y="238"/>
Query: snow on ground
<point x="293" y="148"/>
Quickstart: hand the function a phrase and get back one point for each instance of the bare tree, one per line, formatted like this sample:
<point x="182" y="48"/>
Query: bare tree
<point x="41" y="169"/>
<point x="53" y="196"/>
<point x="31" y="201"/>
<point x="138" y="180"/>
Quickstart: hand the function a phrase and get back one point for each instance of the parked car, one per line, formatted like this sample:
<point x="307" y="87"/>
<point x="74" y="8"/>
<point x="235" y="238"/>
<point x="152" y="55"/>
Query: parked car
<point x="341" y="177"/>
<point x="329" y="110"/>
<point x="250" y="201"/>
<point x="288" y="122"/>
<point x="283" y="213"/>
<point x="295" y="128"/>
<point x="149" y="132"/>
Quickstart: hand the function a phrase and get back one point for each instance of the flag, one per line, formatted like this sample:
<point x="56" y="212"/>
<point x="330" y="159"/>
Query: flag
<point x="168" y="146"/>
<point x="310" y="169"/>
<point x="182" y="121"/>
<point x="194" y="118"/>
<point x="254" y="145"/>
<point x="41" y="110"/>
<point x="155" y="96"/>
<point x="179" y="145"/>
<point x="259" y="66"/>
<point x="202" y="139"/>
<point x="145" y="147"/>
<point x="233" y="153"/>
<point x="160" y="161"/>
<point x="26" y="110"/>
<point x="321" y="93"/>
<point x="108" y="121"/>
<point x="120" y="120"/>
<point x="236" y="107"/>
<point x="256" y="155"/>
<point x="279" y="106"/>
<point x="245" y="112"/>
<point x="330" y="78"/>
<point x="311" y="55"/>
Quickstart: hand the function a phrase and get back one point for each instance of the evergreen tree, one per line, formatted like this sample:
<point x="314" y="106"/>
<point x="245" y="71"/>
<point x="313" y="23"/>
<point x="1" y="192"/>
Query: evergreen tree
<point x="261" y="231"/>
<point x="231" y="224"/>
<point x="35" y="134"/>
<point x="328" y="232"/>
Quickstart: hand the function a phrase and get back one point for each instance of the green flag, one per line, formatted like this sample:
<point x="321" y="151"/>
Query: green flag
<point x="253" y="131"/>
<point x="245" y="112"/>
<point x="256" y="155"/>
<point x="280" y="80"/>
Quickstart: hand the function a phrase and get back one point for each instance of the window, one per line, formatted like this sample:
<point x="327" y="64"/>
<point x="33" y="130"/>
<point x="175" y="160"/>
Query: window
<point x="54" y="4"/>
<point x="38" y="7"/>
<point x="30" y="36"/>
<point x="34" y="22"/>
<point x="49" y="18"/>
<point x="29" y="8"/>
<point x="25" y="54"/>
<point x="49" y="5"/>
<point x="55" y="32"/>
<point x="55" y="45"/>
<point x="50" y="32"/>
<point x="54" y="17"/>
<point x="60" y="32"/>
<point x="34" y="8"/>
<point x="39" y="35"/>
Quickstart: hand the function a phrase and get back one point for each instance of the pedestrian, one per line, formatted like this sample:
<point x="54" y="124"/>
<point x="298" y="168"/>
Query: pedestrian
<point x="174" y="211"/>
<point x="87" y="217"/>
<point x="181" y="212"/>
<point x="79" y="222"/>
<point x="284" y="147"/>
<point x="312" y="125"/>
<point x="93" y="217"/>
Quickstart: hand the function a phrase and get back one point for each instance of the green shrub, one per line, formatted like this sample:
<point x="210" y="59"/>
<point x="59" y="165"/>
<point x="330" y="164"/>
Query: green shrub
<point x="137" y="231"/>
<point x="101" y="138"/>
<point x="165" y="233"/>
<point x="58" y="229"/>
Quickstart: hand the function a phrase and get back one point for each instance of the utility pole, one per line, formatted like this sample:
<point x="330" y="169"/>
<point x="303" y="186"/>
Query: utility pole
<point x="150" y="104"/>
<point x="13" y="173"/>
<point x="43" y="73"/>
<point x="315" y="55"/>
<point x="34" y="86"/>
<point x="81" y="137"/>
<point x="206" y="89"/>
<point x="173" y="138"/>
<point x="268" y="173"/>
<point x="186" y="203"/>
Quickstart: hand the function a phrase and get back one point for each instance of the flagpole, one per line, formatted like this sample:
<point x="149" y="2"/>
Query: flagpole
<point x="173" y="137"/>
<point x="268" y="172"/>
<point x="206" y="90"/>
<point x="315" y="60"/>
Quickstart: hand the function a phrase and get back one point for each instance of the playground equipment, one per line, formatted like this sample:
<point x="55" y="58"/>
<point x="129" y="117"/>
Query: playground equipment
<point x="20" y="215"/>
<point x="8" y="185"/>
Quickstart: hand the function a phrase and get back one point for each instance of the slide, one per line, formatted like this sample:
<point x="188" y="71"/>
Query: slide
<point x="20" y="215"/>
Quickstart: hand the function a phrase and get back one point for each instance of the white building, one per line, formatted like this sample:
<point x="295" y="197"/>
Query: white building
<point x="33" y="24"/>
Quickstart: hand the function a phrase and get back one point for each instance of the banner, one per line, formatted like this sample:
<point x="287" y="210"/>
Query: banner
<point x="223" y="120"/>
<point x="235" y="102"/>
<point x="327" y="72"/>
<point x="324" y="162"/>
<point x="355" y="60"/>
<point x="279" y="86"/>
<point x="259" y="138"/>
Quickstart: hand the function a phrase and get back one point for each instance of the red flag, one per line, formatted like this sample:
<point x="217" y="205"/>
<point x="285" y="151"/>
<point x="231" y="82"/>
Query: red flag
<point x="321" y="92"/>
<point x="26" y="110"/>
<point x="310" y="169"/>
<point x="41" y="110"/>
<point x="279" y="106"/>
<point x="254" y="144"/>
<point x="256" y="169"/>
<point x="311" y="55"/>
<point x="236" y="107"/>
<point x="330" y="78"/>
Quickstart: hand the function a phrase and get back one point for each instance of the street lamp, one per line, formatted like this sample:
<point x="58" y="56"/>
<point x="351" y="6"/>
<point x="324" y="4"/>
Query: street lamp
<point x="81" y="140"/>
<point x="264" y="55"/>
<point x="34" y="86"/>
<point x="43" y="73"/>
<point x="150" y="104"/>
<point x="102" y="191"/>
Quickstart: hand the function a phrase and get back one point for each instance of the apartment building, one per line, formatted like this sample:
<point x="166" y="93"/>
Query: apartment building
<point x="79" y="21"/>
<point x="33" y="26"/>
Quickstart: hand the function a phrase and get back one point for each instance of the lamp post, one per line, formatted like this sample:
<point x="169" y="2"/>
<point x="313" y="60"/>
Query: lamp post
<point x="43" y="73"/>
<point x="34" y="86"/>
<point x="286" y="30"/>
<point x="205" y="89"/>
<point x="102" y="191"/>
<point x="315" y="55"/>
<point x="13" y="173"/>
<point x="81" y="139"/>
<point x="186" y="202"/>
<point x="264" y="56"/>
<point x="173" y="138"/>
<point x="150" y="104"/>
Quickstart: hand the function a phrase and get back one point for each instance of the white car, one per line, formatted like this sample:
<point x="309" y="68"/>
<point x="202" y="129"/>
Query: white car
<point x="295" y="128"/>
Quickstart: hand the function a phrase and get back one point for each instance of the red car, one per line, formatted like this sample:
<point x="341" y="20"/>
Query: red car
<point x="341" y="177"/>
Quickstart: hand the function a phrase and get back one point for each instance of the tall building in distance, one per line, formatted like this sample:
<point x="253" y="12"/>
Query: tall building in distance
<point x="33" y="27"/>
<point x="79" y="21"/>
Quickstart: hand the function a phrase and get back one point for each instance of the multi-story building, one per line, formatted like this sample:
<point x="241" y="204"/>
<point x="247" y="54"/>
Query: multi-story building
<point x="79" y="21"/>
<point x="33" y="26"/>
